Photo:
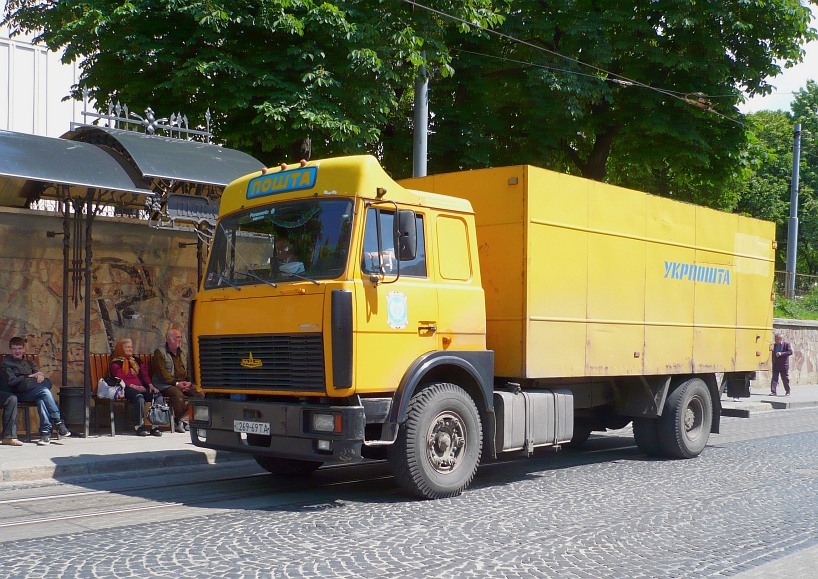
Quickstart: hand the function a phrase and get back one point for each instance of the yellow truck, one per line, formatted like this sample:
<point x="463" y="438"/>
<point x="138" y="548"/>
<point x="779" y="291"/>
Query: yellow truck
<point x="443" y="320"/>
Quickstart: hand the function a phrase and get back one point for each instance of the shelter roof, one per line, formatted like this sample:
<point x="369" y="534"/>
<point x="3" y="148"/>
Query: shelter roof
<point x="170" y="158"/>
<point x="27" y="162"/>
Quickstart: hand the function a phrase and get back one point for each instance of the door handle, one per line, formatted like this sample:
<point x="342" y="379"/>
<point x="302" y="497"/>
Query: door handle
<point x="431" y="329"/>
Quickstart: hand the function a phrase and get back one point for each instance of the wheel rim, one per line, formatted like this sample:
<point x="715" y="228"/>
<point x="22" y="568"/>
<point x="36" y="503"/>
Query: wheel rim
<point x="446" y="442"/>
<point x="694" y="418"/>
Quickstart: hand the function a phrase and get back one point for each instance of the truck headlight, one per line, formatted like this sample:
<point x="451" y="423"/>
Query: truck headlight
<point x="201" y="413"/>
<point x="326" y="422"/>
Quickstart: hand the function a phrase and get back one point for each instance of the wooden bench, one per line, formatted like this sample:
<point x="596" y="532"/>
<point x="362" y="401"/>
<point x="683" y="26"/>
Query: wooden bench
<point x="101" y="368"/>
<point x="25" y="407"/>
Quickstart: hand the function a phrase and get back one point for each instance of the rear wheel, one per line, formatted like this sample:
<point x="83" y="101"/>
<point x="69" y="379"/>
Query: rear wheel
<point x="684" y="426"/>
<point x="438" y="447"/>
<point x="645" y="433"/>
<point x="287" y="467"/>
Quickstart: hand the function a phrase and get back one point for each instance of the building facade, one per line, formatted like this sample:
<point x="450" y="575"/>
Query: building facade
<point x="33" y="84"/>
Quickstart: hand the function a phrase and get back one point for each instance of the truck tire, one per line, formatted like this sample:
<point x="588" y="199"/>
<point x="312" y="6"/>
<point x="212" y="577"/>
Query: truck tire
<point x="287" y="467"/>
<point x="438" y="447"/>
<point x="646" y="435"/>
<point x="684" y="426"/>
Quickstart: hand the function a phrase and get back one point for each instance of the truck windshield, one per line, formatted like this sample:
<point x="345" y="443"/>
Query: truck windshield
<point x="289" y="241"/>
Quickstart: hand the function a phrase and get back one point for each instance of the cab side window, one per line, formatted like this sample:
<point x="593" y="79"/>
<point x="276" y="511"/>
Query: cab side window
<point x="371" y="262"/>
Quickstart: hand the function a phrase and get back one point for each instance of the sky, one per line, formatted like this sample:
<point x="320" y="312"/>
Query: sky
<point x="789" y="81"/>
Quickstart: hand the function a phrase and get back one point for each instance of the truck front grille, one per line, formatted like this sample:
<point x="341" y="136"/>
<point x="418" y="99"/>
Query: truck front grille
<point x="292" y="362"/>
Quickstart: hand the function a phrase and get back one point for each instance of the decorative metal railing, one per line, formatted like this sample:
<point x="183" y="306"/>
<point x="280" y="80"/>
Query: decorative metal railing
<point x="804" y="283"/>
<point x="119" y="116"/>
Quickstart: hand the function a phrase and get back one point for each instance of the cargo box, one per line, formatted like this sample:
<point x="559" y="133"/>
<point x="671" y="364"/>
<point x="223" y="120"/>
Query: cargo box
<point x="587" y="279"/>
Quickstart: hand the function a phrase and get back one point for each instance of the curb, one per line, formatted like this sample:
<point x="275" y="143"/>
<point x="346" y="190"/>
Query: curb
<point x="68" y="467"/>
<point x="792" y="404"/>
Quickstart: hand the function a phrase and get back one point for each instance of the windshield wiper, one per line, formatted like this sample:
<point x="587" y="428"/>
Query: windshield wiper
<point x="259" y="278"/>
<point x="299" y="276"/>
<point x="228" y="282"/>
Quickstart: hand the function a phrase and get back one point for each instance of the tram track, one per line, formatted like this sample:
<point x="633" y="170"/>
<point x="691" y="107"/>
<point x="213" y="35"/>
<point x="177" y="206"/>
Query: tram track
<point x="212" y="492"/>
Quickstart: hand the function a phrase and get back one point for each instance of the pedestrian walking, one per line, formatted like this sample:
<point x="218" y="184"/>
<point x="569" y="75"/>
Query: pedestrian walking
<point x="781" y="365"/>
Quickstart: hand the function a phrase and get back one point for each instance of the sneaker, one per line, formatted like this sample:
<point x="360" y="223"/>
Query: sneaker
<point x="11" y="442"/>
<point x="62" y="429"/>
<point x="155" y="431"/>
<point x="179" y="426"/>
<point x="44" y="440"/>
<point x="772" y="393"/>
<point x="142" y="431"/>
<point x="187" y="426"/>
<point x="787" y="394"/>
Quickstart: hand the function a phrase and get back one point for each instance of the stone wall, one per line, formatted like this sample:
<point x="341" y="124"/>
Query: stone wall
<point x="803" y="336"/>
<point x="141" y="285"/>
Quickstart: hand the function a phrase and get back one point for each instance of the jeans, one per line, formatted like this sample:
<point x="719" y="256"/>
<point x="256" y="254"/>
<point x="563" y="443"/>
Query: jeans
<point x="8" y="406"/>
<point x="46" y="405"/>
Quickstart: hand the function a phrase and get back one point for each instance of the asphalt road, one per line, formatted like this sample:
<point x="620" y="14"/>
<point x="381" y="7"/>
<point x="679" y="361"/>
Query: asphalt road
<point x="747" y="507"/>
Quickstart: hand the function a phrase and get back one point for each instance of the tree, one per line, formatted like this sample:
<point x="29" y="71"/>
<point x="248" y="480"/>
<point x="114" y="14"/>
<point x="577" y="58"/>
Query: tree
<point x="274" y="72"/>
<point x="763" y="188"/>
<point x="513" y="103"/>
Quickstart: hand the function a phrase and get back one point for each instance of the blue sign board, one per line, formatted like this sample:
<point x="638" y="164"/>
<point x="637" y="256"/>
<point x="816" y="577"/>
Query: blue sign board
<point x="281" y="182"/>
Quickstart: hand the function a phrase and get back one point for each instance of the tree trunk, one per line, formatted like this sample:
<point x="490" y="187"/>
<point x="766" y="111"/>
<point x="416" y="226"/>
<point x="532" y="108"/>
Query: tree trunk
<point x="595" y="165"/>
<point x="301" y="149"/>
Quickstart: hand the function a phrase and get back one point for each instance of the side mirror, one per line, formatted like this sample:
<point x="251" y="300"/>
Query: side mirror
<point x="406" y="236"/>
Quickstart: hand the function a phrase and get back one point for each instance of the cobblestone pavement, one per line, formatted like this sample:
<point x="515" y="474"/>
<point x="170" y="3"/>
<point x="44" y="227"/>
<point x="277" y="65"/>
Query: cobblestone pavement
<point x="745" y="506"/>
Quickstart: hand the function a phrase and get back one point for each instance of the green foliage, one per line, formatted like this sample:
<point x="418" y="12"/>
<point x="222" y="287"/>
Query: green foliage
<point x="763" y="187"/>
<point x="800" y="308"/>
<point x="274" y="72"/>
<point x="512" y="104"/>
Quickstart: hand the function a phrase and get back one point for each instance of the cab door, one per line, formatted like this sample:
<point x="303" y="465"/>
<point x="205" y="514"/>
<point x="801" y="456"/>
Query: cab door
<point x="397" y="319"/>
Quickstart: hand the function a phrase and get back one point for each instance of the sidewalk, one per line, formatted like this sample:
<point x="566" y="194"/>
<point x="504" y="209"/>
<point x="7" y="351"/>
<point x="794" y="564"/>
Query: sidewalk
<point x="97" y="455"/>
<point x="760" y="401"/>
<point x="102" y="455"/>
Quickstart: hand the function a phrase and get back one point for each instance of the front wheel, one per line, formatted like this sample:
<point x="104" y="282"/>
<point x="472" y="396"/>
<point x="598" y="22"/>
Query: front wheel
<point x="287" y="467"/>
<point x="438" y="447"/>
<point x="684" y="426"/>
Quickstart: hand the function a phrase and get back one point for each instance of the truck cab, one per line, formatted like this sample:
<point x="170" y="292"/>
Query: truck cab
<point x="330" y="291"/>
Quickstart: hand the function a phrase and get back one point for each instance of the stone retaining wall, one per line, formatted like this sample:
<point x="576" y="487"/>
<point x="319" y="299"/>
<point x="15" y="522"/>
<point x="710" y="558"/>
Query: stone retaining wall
<point x="141" y="285"/>
<point x="803" y="336"/>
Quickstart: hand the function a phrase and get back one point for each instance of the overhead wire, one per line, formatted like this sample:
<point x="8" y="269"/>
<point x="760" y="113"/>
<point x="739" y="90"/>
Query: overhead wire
<point x="611" y="76"/>
<point x="621" y="79"/>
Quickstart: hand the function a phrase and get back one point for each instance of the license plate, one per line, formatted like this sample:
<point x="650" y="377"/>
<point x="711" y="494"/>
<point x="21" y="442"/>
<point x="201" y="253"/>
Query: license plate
<point x="251" y="427"/>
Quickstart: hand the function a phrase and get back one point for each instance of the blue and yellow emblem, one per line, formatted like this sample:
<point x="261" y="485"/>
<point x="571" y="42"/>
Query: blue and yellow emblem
<point x="281" y="182"/>
<point x="397" y="312"/>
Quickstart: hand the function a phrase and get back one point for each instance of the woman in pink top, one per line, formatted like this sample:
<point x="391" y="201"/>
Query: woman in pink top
<point x="138" y="386"/>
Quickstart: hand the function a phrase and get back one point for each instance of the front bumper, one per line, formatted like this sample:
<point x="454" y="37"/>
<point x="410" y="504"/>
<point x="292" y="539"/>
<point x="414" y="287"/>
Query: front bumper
<point x="290" y="434"/>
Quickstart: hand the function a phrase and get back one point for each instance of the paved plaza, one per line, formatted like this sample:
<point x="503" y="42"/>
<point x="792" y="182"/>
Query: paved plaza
<point x="746" y="508"/>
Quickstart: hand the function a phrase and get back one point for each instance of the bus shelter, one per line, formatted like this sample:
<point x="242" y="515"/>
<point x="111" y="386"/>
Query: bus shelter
<point x="171" y="180"/>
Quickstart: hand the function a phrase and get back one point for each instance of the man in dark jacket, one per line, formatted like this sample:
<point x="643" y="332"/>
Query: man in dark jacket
<point x="169" y="374"/>
<point x="28" y="384"/>
<point x="781" y="364"/>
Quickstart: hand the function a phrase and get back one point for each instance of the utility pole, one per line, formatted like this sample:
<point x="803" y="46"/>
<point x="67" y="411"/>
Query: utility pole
<point x="421" y="122"/>
<point x="792" y="231"/>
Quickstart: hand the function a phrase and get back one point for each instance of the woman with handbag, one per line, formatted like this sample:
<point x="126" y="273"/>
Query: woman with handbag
<point x="138" y="386"/>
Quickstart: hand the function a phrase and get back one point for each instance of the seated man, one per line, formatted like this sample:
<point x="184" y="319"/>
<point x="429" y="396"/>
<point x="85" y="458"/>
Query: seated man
<point x="171" y="378"/>
<point x="28" y="384"/>
<point x="8" y="404"/>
